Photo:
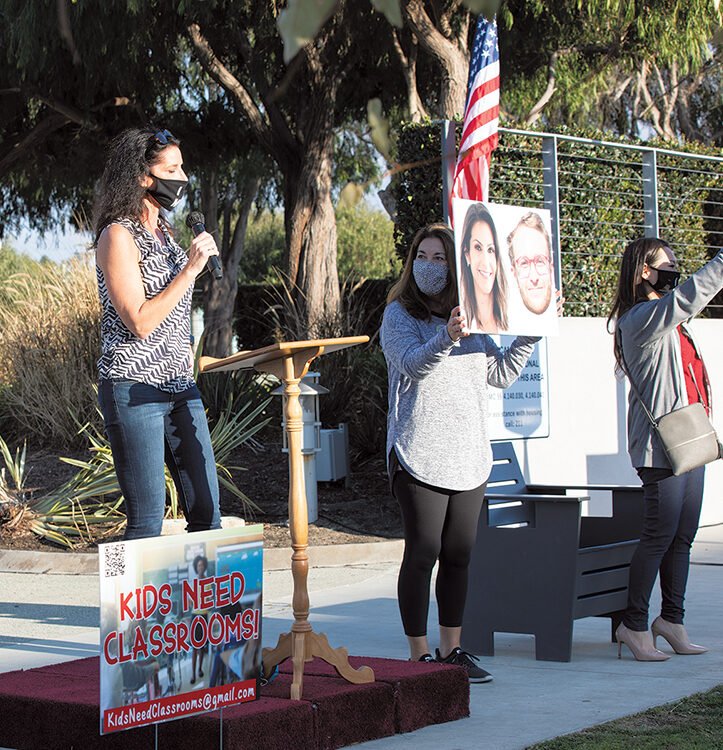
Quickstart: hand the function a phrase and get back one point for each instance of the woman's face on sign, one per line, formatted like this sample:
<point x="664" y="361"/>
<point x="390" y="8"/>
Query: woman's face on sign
<point x="481" y="255"/>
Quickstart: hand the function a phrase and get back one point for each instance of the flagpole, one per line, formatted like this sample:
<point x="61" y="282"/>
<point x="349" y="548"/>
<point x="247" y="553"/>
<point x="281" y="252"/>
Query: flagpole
<point x="449" y="160"/>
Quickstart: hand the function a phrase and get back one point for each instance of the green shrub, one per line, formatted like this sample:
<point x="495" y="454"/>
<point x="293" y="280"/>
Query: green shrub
<point x="418" y="190"/>
<point x="264" y="248"/>
<point x="365" y="243"/>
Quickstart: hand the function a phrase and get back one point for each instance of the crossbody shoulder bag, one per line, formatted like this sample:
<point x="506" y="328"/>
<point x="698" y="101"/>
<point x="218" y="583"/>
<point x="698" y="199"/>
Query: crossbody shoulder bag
<point x="686" y="434"/>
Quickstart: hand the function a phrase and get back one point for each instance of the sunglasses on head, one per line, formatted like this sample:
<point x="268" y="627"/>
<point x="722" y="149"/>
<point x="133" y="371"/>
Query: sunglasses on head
<point x="164" y="137"/>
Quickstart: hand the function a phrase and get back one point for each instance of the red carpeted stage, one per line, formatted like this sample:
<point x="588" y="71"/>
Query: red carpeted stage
<point x="56" y="707"/>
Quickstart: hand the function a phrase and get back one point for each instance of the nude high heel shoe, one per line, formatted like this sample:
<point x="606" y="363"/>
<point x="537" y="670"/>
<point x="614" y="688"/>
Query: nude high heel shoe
<point x="640" y="643"/>
<point x="676" y="637"/>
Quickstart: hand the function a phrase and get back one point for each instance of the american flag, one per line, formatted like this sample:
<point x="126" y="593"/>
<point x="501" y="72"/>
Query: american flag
<point x="481" y="116"/>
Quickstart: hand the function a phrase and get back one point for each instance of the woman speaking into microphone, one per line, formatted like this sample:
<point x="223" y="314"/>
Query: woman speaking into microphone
<point x="151" y="406"/>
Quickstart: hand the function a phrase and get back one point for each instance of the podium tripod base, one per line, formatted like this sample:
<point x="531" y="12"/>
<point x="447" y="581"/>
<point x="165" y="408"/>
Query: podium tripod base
<point x="304" y="646"/>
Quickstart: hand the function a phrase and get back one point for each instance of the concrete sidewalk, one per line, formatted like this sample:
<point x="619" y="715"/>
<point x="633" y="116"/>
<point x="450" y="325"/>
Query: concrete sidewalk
<point x="46" y="618"/>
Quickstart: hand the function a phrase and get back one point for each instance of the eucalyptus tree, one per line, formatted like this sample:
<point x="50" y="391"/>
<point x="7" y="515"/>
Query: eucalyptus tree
<point x="616" y="64"/>
<point x="75" y="73"/>
<point x="71" y="74"/>
<point x="442" y="30"/>
<point x="628" y="65"/>
<point x="294" y="113"/>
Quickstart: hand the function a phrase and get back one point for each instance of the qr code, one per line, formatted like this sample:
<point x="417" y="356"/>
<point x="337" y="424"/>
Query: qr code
<point x="115" y="560"/>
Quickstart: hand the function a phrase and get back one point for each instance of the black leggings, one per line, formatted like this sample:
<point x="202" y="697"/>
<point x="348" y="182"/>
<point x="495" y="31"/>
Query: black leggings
<point x="439" y="525"/>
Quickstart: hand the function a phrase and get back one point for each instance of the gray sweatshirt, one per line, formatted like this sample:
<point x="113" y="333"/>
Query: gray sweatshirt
<point x="651" y="346"/>
<point x="437" y="421"/>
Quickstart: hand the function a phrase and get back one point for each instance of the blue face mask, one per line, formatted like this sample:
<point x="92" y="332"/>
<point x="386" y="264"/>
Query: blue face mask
<point x="431" y="276"/>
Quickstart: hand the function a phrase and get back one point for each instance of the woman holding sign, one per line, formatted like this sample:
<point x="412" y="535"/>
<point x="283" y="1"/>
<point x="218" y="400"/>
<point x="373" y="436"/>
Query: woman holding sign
<point x="438" y="450"/>
<point x="484" y="286"/>
<point x="655" y="349"/>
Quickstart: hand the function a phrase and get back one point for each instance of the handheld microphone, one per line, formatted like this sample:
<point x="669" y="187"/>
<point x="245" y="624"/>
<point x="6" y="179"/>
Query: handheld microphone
<point x="196" y="222"/>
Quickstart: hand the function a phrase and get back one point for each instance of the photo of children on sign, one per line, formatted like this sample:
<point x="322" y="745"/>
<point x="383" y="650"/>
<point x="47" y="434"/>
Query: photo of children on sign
<point x="505" y="268"/>
<point x="180" y="625"/>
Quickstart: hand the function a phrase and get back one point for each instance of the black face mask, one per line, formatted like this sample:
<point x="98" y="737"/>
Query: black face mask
<point x="167" y="193"/>
<point x="667" y="280"/>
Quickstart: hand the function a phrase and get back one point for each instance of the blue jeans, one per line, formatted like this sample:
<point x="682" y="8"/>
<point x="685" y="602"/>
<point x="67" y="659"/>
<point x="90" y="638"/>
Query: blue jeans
<point x="148" y="428"/>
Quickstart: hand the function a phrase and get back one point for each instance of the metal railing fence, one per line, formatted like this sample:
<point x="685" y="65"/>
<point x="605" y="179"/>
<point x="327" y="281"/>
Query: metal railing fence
<point x="603" y="194"/>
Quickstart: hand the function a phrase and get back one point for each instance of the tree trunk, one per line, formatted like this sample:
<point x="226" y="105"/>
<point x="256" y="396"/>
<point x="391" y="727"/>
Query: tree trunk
<point x="220" y="296"/>
<point x="311" y="229"/>
<point x="451" y="55"/>
<point x="417" y="111"/>
<point x="305" y="158"/>
<point x="209" y="201"/>
<point x="454" y="86"/>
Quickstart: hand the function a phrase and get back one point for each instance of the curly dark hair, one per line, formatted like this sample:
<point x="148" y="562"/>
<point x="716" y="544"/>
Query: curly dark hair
<point x="130" y="156"/>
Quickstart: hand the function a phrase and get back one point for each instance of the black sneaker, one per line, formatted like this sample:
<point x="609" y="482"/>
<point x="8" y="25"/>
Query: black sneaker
<point x="427" y="659"/>
<point x="466" y="661"/>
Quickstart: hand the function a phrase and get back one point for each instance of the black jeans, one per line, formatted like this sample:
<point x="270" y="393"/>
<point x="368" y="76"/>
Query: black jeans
<point x="439" y="525"/>
<point x="672" y="512"/>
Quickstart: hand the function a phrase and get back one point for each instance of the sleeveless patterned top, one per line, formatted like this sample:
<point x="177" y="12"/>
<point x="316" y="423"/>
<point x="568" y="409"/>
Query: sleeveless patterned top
<point x="161" y="359"/>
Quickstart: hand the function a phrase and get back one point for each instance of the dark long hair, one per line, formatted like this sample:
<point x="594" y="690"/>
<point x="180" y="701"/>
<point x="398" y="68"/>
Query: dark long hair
<point x="478" y="213"/>
<point x="636" y="255"/>
<point x="120" y="193"/>
<point x="406" y="289"/>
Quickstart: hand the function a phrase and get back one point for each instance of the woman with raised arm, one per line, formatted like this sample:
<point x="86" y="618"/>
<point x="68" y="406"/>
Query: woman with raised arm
<point x="438" y="449"/>
<point x="657" y="352"/>
<point x="151" y="406"/>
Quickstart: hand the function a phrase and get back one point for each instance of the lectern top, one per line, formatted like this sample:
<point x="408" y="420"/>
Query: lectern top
<point x="252" y="357"/>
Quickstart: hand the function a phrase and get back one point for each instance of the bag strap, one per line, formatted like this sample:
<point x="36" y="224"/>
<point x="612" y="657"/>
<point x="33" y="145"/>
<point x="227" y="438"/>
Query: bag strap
<point x="695" y="382"/>
<point x="687" y="335"/>
<point x="633" y="387"/>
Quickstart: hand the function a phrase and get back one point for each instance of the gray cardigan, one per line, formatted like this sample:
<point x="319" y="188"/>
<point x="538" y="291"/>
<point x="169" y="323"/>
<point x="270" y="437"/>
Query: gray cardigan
<point x="651" y="346"/>
<point x="437" y="421"/>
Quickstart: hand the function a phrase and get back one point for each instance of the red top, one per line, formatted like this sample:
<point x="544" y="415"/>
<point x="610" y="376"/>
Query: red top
<point x="692" y="360"/>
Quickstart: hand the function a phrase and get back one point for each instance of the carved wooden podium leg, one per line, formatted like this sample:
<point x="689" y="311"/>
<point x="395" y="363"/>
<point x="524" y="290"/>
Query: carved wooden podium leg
<point x="302" y="644"/>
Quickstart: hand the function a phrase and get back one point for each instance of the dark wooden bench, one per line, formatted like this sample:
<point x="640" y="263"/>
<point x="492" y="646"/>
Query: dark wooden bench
<point x="539" y="564"/>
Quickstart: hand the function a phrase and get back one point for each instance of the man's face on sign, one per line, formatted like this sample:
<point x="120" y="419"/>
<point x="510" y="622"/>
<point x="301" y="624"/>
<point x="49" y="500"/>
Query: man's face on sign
<point x="532" y="267"/>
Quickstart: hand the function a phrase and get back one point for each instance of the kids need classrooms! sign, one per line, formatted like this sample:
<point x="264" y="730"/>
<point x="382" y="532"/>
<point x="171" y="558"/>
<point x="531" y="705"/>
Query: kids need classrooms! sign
<point x="180" y="624"/>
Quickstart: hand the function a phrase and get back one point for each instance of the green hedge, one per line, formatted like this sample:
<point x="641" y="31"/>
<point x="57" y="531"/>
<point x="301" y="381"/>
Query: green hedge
<point x="601" y="202"/>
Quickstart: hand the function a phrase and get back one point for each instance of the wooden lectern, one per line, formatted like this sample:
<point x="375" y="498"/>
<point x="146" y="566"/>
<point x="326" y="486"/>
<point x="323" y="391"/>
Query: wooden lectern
<point x="289" y="361"/>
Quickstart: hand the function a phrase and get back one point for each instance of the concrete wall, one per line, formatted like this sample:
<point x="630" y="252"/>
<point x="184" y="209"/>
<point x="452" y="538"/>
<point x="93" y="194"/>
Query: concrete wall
<point x="587" y="443"/>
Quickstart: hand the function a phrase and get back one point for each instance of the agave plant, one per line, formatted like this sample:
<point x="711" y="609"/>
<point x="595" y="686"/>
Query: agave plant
<point x="12" y="498"/>
<point x="88" y="507"/>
